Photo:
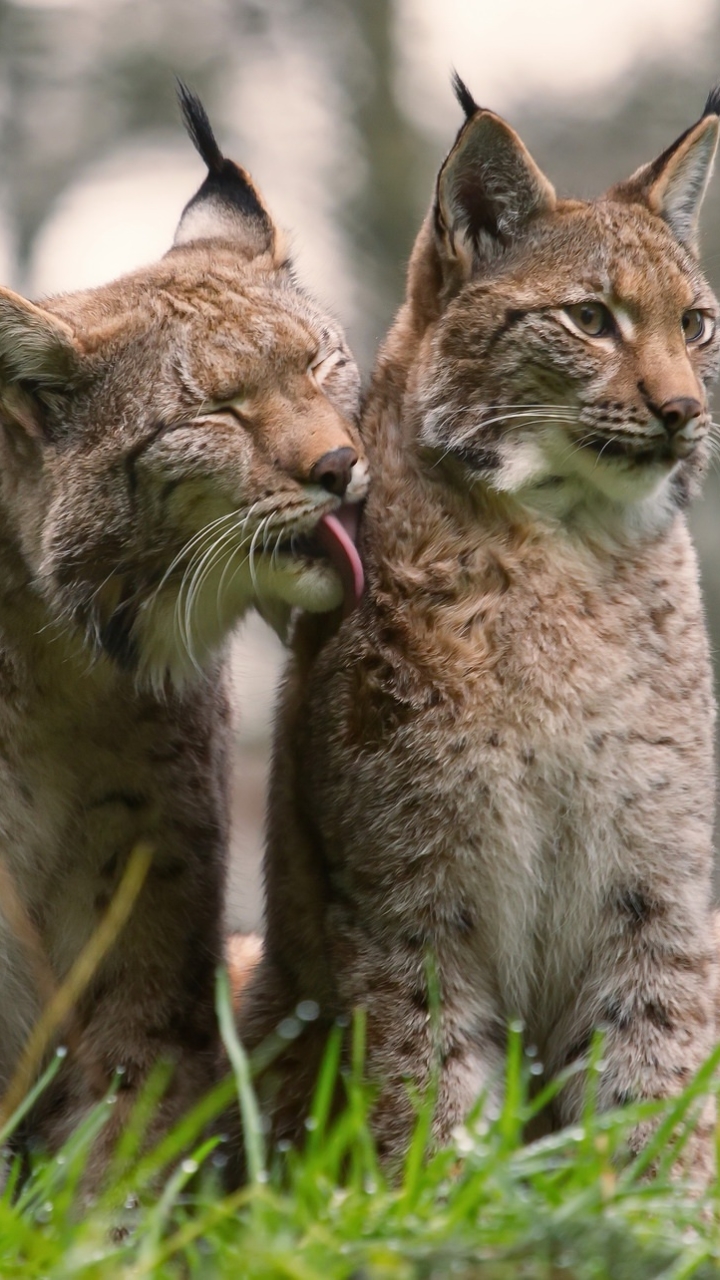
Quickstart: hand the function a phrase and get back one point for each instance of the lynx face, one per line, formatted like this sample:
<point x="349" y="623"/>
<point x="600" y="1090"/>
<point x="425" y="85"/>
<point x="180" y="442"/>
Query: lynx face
<point x="181" y="444"/>
<point x="573" y="370"/>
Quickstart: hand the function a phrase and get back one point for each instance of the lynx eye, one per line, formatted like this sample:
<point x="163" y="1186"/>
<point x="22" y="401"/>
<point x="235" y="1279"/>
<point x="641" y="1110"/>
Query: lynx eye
<point x="591" y="318"/>
<point x="697" y="326"/>
<point x="320" y="367"/>
<point x="236" y="405"/>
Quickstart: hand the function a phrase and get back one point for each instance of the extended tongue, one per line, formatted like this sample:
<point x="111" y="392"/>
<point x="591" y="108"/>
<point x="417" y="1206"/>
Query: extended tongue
<point x="338" y="545"/>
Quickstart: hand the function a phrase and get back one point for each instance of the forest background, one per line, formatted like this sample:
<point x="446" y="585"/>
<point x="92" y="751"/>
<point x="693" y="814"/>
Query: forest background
<point x="342" y="111"/>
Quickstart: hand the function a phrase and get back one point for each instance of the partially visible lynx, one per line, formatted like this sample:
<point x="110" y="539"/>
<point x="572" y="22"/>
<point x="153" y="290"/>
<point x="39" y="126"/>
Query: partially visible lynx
<point x="174" y="447"/>
<point x="503" y="759"/>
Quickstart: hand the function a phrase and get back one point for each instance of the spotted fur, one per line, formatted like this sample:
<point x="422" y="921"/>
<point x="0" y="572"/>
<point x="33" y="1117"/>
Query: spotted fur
<point x="502" y="763"/>
<point x="158" y="437"/>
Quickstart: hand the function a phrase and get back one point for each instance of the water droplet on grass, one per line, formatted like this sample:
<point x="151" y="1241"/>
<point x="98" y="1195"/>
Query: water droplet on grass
<point x="289" y="1028"/>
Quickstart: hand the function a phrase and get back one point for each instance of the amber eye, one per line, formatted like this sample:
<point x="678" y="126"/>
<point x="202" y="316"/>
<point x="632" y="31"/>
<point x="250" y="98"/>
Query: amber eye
<point x="697" y="326"/>
<point x="592" y="318"/>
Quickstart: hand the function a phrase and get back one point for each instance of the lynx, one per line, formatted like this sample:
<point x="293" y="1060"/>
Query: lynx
<point x="502" y="761"/>
<point x="177" y="446"/>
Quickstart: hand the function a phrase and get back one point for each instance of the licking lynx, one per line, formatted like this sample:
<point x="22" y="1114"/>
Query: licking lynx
<point x="502" y="760"/>
<point x="177" y="446"/>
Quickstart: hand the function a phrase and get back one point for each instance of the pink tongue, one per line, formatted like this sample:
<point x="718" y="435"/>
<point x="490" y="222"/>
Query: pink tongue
<point x="338" y="545"/>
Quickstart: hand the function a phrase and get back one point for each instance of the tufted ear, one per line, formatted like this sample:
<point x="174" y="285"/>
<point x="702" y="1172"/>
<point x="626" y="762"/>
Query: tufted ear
<point x="488" y="190"/>
<point x="227" y="205"/>
<point x="674" y="185"/>
<point x="39" y="357"/>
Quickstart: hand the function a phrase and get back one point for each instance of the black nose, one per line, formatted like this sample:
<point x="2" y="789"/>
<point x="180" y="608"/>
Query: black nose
<point x="676" y="413"/>
<point x="334" y="469"/>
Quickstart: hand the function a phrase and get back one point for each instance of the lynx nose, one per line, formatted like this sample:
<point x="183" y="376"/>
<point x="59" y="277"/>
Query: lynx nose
<point x="677" y="413"/>
<point x="334" y="469"/>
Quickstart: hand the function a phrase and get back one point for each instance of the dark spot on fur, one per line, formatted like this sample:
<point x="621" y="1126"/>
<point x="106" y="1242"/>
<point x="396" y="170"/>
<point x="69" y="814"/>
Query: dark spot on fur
<point x="527" y="755"/>
<point x="658" y="1015"/>
<point x="419" y="999"/>
<point x="493" y="739"/>
<point x="579" y="1048"/>
<point x="417" y="941"/>
<point x="660" y="614"/>
<point x="615" y="1014"/>
<point x="117" y="639"/>
<point x="133" y="800"/>
<point x="169" y="487"/>
<point x="623" y="1097"/>
<point x="465" y="923"/>
<point x="492" y="1033"/>
<point x="513" y="316"/>
<point x="680" y="487"/>
<point x="639" y="907"/>
<point x="452" y="1053"/>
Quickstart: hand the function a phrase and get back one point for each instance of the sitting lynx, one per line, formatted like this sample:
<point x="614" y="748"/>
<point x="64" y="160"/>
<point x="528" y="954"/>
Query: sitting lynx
<point x="176" y="446"/>
<point x="503" y="758"/>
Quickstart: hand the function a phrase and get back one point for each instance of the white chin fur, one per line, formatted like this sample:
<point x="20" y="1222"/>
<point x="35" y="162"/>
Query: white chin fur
<point x="527" y="463"/>
<point x="179" y="636"/>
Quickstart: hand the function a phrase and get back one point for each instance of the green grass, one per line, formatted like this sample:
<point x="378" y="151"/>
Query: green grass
<point x="566" y="1206"/>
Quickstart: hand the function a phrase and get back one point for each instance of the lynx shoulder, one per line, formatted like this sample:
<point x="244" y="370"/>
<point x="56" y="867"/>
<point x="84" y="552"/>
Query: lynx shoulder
<point x="503" y="759"/>
<point x="176" y="446"/>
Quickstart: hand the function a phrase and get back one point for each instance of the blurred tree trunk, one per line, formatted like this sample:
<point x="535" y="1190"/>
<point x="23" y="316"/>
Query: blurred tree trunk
<point x="383" y="218"/>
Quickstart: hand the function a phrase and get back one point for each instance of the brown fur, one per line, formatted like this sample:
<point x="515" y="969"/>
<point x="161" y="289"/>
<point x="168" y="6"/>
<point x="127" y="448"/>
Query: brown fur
<point x="503" y="761"/>
<point x="157" y="444"/>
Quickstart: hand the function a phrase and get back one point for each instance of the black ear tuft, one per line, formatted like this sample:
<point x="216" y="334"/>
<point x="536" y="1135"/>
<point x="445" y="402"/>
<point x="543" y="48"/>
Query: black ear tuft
<point x="199" y="127"/>
<point x="227" y="187"/>
<point x="712" y="106"/>
<point x="463" y="95"/>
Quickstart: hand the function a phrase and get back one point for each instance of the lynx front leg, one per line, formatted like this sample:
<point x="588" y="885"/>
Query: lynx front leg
<point x="652" y="992"/>
<point x="449" y="1046"/>
<point x="151" y="1002"/>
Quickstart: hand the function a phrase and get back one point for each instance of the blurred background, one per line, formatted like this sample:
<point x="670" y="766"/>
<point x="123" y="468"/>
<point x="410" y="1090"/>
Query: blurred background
<point x="342" y="111"/>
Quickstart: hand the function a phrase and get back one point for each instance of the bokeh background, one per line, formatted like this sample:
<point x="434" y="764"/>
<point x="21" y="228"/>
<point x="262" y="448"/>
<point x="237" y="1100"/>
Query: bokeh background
<point x="342" y="111"/>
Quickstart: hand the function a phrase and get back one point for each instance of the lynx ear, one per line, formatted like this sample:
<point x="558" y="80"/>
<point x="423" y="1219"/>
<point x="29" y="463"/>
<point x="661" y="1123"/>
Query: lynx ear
<point x="488" y="189"/>
<point x="227" y="206"/>
<point x="35" y="346"/>
<point x="674" y="185"/>
<point x="38" y="356"/>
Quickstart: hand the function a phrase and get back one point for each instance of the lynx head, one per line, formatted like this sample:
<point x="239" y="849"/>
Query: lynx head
<point x="181" y="443"/>
<point x="569" y="345"/>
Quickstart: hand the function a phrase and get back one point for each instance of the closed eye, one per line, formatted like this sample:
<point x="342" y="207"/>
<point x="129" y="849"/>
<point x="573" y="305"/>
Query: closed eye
<point x="323" y="364"/>
<point x="238" y="406"/>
